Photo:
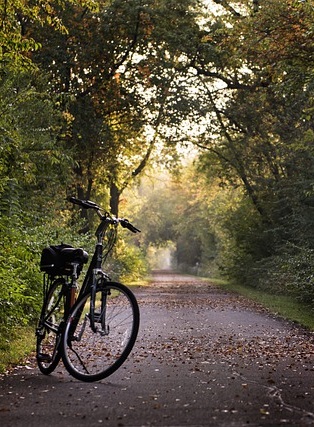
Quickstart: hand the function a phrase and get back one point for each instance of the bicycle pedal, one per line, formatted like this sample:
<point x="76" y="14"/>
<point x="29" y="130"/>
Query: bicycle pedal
<point x="44" y="357"/>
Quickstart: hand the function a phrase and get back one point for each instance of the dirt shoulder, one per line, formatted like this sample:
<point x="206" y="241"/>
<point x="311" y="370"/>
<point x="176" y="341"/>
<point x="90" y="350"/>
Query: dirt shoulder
<point x="203" y="357"/>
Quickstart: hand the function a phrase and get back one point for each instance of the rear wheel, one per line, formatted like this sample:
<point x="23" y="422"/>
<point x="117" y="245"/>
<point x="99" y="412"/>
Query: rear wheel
<point x="93" y="355"/>
<point x="49" y="328"/>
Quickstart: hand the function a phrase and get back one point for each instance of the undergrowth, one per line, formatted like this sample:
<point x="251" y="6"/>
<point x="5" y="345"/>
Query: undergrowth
<point x="14" y="348"/>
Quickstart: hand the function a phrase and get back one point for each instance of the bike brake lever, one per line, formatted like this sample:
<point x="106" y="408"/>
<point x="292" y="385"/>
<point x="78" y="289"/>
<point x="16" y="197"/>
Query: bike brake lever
<point x="126" y="224"/>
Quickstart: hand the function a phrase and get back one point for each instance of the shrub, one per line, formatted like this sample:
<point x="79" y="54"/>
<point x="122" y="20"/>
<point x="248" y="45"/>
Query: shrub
<point x="127" y="263"/>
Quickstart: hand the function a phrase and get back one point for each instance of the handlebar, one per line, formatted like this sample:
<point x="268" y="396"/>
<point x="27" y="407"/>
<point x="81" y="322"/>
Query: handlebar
<point x="87" y="204"/>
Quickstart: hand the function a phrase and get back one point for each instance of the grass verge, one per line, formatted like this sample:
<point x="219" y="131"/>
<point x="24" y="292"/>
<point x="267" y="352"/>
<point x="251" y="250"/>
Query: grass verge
<point x="15" y="347"/>
<point x="283" y="305"/>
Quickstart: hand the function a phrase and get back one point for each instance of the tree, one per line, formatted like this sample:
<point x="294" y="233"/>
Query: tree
<point x="113" y="70"/>
<point x="32" y="165"/>
<point x="259" y="135"/>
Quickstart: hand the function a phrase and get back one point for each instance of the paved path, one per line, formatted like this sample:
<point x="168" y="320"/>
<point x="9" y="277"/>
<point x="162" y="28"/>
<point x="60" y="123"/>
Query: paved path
<point x="203" y="358"/>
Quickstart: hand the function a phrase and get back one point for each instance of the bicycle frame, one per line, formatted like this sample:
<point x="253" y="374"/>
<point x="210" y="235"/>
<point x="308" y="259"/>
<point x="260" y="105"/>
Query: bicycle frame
<point x="95" y="274"/>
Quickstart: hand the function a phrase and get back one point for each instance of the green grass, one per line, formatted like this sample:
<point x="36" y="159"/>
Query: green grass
<point x="283" y="305"/>
<point x="16" y="347"/>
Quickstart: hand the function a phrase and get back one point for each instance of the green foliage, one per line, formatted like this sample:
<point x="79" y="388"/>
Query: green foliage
<point x="113" y="69"/>
<point x="127" y="264"/>
<point x="15" y="346"/>
<point x="15" y="43"/>
<point x="298" y="271"/>
<point x="20" y="290"/>
<point x="289" y="272"/>
<point x="31" y="171"/>
<point x="259" y="139"/>
<point x="175" y="214"/>
<point x="29" y="124"/>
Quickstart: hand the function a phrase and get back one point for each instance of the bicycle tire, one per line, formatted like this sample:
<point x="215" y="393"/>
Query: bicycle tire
<point x="48" y="331"/>
<point x="91" y="356"/>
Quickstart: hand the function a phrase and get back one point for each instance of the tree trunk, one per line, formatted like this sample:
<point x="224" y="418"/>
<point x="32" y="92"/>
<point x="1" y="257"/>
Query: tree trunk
<point x="114" y="199"/>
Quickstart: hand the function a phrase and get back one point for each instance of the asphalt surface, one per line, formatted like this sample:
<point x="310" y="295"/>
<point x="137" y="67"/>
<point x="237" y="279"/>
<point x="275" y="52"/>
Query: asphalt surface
<point x="203" y="358"/>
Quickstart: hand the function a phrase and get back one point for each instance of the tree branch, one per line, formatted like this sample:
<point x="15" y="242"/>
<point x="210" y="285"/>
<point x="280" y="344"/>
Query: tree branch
<point x="116" y="66"/>
<point x="146" y="158"/>
<point x="231" y="84"/>
<point x="237" y="164"/>
<point x="227" y="6"/>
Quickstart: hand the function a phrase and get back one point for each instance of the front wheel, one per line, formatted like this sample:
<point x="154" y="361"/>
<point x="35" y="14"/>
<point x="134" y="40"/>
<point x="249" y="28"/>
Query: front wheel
<point x="91" y="355"/>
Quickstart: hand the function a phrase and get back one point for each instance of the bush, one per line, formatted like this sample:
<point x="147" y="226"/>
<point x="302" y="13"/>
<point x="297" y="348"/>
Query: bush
<point x="20" y="290"/>
<point x="127" y="264"/>
<point x="288" y="273"/>
<point x="20" y="276"/>
<point x="299" y="274"/>
<point x="260" y="254"/>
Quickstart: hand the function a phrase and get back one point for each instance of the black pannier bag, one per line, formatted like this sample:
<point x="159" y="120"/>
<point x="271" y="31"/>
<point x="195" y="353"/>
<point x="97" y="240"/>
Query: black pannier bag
<point x="56" y="260"/>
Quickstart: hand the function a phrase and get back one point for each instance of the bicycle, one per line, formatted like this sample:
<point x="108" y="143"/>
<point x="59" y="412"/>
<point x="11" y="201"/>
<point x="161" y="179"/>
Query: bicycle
<point x="92" y="330"/>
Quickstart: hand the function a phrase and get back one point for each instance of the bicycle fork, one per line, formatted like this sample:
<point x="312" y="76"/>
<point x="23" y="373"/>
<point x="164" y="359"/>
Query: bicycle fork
<point x="98" y="314"/>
